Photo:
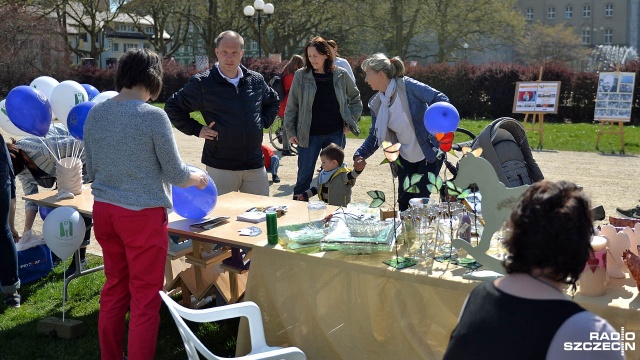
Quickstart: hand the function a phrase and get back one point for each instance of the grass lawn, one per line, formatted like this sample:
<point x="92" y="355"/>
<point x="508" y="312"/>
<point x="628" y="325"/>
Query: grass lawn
<point x="568" y="137"/>
<point x="20" y="340"/>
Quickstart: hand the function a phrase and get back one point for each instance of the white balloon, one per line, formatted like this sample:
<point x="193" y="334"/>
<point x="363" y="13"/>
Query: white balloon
<point x="63" y="231"/>
<point x="45" y="84"/>
<point x="104" y="96"/>
<point x="64" y="97"/>
<point x="6" y="124"/>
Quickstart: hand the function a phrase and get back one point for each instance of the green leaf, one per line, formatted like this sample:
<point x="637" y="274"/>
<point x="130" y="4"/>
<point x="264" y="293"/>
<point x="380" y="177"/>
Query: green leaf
<point x="452" y="192"/>
<point x="431" y="177"/>
<point x="376" y="195"/>
<point x="451" y="185"/>
<point x="398" y="162"/>
<point x="464" y="194"/>
<point x="415" y="178"/>
<point x="431" y="188"/>
<point x="412" y="189"/>
<point x="376" y="203"/>
<point x="384" y="161"/>
<point x="438" y="183"/>
<point x="406" y="183"/>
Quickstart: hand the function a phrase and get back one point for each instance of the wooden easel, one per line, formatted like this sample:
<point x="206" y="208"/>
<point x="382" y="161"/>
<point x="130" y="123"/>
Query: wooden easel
<point x="611" y="131"/>
<point x="534" y="115"/>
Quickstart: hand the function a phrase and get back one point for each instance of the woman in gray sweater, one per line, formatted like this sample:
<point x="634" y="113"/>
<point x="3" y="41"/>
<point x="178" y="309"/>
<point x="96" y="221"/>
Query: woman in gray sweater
<point x="132" y="158"/>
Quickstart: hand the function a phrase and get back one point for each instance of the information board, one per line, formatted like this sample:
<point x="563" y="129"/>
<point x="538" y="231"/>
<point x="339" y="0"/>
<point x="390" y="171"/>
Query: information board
<point x="614" y="98"/>
<point x="536" y="97"/>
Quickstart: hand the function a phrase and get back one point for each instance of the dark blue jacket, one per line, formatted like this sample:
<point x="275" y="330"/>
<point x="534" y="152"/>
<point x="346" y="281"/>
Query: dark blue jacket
<point x="240" y="115"/>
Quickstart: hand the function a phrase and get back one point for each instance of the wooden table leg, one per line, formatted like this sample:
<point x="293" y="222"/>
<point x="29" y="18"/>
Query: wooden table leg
<point x="621" y="129"/>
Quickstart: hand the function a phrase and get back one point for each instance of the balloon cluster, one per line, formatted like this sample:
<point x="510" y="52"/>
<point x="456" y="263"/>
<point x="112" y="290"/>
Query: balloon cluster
<point x="29" y="110"/>
<point x="441" y="120"/>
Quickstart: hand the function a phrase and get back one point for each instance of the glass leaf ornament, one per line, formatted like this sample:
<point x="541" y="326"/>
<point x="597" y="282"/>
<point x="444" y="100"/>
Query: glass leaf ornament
<point x="378" y="198"/>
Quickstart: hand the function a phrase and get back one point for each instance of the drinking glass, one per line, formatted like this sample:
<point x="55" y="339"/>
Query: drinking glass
<point x="317" y="213"/>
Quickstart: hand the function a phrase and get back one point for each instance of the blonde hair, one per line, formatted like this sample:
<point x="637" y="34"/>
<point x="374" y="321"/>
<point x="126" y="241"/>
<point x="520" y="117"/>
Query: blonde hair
<point x="393" y="68"/>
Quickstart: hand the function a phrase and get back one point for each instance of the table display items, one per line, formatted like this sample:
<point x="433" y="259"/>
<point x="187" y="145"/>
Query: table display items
<point x="317" y="213"/>
<point x="497" y="203"/>
<point x="69" y="177"/>
<point x="633" y="263"/>
<point x="259" y="214"/>
<point x="593" y="280"/>
<point x="617" y="242"/>
<point x="272" y="227"/>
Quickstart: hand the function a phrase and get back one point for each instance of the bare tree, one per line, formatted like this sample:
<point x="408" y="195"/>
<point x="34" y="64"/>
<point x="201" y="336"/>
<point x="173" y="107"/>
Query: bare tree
<point x="88" y="18"/>
<point x="543" y="43"/>
<point x="28" y="51"/>
<point x="163" y="16"/>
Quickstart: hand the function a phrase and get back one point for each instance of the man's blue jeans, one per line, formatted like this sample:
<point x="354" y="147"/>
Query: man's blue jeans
<point x="307" y="157"/>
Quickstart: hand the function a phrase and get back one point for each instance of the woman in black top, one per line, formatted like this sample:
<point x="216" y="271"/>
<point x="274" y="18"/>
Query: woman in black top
<point x="323" y="104"/>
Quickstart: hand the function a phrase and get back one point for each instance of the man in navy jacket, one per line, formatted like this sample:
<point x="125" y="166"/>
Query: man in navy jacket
<point x="237" y="104"/>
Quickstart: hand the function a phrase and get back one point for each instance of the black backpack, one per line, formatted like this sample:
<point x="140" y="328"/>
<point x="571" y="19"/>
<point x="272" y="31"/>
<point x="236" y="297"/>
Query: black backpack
<point x="276" y="84"/>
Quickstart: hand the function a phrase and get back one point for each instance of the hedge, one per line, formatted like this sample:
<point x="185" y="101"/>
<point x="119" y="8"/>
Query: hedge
<point x="477" y="91"/>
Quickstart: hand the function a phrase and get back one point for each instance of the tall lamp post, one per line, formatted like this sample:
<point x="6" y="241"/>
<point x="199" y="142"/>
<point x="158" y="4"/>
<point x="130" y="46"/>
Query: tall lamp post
<point x="259" y="6"/>
<point x="465" y="46"/>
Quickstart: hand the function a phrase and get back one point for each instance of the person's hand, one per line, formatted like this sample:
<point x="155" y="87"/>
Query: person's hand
<point x="16" y="236"/>
<point x="346" y="130"/>
<point x="301" y="197"/>
<point x="203" y="181"/>
<point x="359" y="164"/>
<point x="293" y="140"/>
<point x="208" y="133"/>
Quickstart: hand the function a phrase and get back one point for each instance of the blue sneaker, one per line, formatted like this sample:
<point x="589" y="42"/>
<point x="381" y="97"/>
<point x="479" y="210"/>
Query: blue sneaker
<point x="633" y="213"/>
<point x="12" y="300"/>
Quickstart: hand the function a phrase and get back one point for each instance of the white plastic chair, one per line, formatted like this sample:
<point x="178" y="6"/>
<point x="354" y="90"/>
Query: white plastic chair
<point x="248" y="309"/>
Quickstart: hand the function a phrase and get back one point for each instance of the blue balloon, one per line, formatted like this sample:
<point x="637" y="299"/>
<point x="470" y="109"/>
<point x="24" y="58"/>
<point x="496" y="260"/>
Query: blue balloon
<point x="77" y="117"/>
<point x="91" y="90"/>
<point x="29" y="110"/>
<point x="44" y="211"/>
<point x="441" y="117"/>
<point x="193" y="203"/>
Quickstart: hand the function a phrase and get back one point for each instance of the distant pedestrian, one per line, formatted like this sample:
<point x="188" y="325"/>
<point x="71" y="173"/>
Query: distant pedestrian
<point x="271" y="162"/>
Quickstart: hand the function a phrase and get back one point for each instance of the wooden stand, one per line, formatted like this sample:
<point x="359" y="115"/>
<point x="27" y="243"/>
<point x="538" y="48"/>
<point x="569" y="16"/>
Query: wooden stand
<point x="532" y="127"/>
<point x="611" y="131"/>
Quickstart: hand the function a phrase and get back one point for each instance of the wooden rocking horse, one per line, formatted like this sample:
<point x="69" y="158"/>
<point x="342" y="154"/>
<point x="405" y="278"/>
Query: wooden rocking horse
<point x="498" y="202"/>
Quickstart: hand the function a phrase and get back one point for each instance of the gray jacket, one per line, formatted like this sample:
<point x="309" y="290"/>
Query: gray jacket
<point x="297" y="116"/>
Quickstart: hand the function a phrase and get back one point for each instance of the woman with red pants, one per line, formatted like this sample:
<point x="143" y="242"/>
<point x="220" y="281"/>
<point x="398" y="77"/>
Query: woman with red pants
<point x="132" y="157"/>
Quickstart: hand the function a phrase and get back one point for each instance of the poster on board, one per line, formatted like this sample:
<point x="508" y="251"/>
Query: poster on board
<point x="537" y="97"/>
<point x="614" y="98"/>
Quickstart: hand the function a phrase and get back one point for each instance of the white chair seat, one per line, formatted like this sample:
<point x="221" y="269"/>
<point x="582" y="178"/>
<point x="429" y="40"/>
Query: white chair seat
<point x="248" y="309"/>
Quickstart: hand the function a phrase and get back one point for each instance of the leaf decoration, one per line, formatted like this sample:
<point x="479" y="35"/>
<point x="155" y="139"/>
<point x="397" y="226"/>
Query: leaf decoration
<point x="384" y="161"/>
<point x="412" y="189"/>
<point x="431" y="188"/>
<point x="431" y="177"/>
<point x="438" y="183"/>
<point x="411" y="182"/>
<point x="391" y="151"/>
<point x="464" y="194"/>
<point x="378" y="198"/>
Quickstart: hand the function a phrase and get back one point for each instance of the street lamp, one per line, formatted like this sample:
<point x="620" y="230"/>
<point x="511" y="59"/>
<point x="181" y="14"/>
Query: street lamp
<point x="465" y="46"/>
<point x="259" y="6"/>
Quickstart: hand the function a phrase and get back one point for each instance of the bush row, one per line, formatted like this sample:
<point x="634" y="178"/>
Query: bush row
<point x="477" y="91"/>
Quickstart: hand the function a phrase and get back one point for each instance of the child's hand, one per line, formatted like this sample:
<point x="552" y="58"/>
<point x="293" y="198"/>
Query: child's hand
<point x="302" y="197"/>
<point x="359" y="164"/>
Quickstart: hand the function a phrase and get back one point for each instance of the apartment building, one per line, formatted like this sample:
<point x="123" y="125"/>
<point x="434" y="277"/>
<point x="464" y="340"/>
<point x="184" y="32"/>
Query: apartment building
<point x="596" y="22"/>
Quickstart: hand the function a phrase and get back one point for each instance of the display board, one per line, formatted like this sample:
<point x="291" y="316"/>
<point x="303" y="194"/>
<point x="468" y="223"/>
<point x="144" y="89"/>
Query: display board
<point x="537" y="97"/>
<point x="614" y="99"/>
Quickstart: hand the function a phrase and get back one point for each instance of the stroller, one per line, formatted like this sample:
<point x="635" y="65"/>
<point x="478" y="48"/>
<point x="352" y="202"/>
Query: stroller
<point x="504" y="144"/>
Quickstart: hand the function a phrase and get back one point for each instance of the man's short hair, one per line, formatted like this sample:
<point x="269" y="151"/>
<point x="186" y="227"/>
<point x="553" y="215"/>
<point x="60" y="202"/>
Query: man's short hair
<point x="231" y="34"/>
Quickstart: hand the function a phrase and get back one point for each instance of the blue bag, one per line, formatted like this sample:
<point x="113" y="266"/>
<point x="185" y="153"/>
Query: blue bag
<point x="34" y="263"/>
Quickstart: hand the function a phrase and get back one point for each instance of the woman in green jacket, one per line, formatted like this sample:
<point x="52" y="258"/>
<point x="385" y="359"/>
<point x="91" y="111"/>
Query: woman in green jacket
<point x="323" y="104"/>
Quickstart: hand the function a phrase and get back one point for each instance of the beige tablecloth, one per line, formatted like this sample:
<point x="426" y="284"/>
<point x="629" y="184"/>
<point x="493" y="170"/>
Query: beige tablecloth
<point x="336" y="306"/>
